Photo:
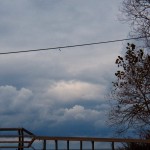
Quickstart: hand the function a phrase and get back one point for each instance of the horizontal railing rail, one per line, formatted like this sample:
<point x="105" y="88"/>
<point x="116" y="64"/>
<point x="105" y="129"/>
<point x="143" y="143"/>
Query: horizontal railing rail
<point x="20" y="138"/>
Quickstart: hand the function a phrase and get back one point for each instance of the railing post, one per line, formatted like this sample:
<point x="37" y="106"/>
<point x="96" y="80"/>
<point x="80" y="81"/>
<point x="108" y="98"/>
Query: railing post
<point x="56" y="145"/>
<point x="113" y="146"/>
<point x="44" y="144"/>
<point x="92" y="145"/>
<point x="21" y="139"/>
<point x="67" y="144"/>
<point x="80" y="145"/>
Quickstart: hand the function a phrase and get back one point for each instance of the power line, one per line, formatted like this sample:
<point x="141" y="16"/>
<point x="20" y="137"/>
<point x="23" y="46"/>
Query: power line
<point x="69" y="46"/>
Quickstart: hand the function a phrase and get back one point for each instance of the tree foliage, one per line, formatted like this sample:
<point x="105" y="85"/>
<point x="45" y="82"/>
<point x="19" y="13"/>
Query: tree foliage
<point x="131" y="91"/>
<point x="137" y="12"/>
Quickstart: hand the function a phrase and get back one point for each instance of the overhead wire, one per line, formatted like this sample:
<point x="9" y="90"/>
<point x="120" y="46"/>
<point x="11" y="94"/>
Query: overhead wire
<point x="68" y="46"/>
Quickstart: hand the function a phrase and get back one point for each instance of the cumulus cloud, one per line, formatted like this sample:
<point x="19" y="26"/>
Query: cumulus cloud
<point x="23" y="108"/>
<point x="14" y="104"/>
<point x="75" y="90"/>
<point x="79" y="113"/>
<point x="12" y="99"/>
<point x="78" y="120"/>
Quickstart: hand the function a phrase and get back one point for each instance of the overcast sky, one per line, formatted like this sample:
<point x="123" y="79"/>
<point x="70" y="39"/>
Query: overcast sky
<point x="58" y="92"/>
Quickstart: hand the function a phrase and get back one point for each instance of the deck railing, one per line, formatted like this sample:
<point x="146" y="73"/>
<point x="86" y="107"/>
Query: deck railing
<point x="21" y="139"/>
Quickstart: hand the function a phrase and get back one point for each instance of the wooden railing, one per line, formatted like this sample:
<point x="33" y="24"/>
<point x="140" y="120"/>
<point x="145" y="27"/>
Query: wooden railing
<point x="20" y="138"/>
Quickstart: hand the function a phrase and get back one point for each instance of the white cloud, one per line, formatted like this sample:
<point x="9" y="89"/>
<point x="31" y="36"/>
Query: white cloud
<point x="67" y="91"/>
<point x="25" y="108"/>
<point x="14" y="100"/>
<point x="79" y="113"/>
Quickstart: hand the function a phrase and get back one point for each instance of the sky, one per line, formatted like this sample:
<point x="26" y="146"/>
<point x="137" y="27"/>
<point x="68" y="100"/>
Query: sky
<point x="58" y="92"/>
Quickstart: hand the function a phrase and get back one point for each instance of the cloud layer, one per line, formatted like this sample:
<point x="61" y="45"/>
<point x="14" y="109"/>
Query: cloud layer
<point x="58" y="92"/>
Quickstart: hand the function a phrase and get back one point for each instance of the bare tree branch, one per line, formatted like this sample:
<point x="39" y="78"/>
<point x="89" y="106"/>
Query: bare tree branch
<point x="131" y="91"/>
<point x="137" y="13"/>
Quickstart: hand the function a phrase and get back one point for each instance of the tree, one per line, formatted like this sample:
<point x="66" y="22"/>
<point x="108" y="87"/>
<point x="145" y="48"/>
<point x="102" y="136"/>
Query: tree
<point x="137" y="13"/>
<point x="131" y="91"/>
<point x="137" y="146"/>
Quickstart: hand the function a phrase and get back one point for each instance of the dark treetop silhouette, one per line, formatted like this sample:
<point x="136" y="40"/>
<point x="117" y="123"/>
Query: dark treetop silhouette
<point x="131" y="91"/>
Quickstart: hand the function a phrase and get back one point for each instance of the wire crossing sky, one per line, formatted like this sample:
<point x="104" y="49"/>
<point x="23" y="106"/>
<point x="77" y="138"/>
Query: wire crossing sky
<point x="69" y="46"/>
